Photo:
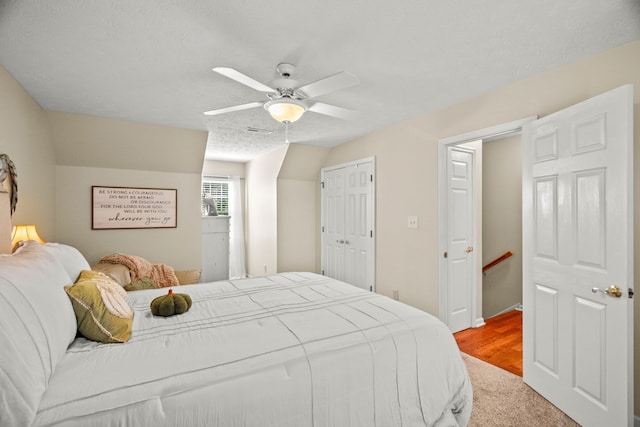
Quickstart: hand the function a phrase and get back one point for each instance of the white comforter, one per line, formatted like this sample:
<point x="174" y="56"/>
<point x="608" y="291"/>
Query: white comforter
<point x="295" y="349"/>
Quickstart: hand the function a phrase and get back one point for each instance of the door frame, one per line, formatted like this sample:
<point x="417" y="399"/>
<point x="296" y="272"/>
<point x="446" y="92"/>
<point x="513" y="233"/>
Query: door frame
<point x="492" y="132"/>
<point x="374" y="236"/>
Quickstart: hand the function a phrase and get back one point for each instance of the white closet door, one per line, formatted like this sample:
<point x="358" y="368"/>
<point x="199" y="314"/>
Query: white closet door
<point x="333" y="247"/>
<point x="358" y="225"/>
<point x="348" y="222"/>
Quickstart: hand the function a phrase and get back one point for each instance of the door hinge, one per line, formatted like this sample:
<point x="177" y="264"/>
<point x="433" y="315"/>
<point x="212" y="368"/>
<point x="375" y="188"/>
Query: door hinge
<point x="322" y="272"/>
<point x="446" y="255"/>
<point x="370" y="288"/>
<point x="371" y="178"/>
<point x="323" y="228"/>
<point x="631" y="293"/>
<point x="322" y="184"/>
<point x="371" y="233"/>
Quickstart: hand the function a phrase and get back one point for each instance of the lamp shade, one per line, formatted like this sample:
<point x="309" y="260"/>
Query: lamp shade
<point x="285" y="110"/>
<point x="24" y="232"/>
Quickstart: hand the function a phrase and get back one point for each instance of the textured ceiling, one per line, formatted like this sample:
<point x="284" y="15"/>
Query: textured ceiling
<point x="151" y="60"/>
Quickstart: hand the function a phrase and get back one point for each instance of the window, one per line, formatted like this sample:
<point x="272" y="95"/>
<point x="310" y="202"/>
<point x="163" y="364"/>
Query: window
<point x="216" y="191"/>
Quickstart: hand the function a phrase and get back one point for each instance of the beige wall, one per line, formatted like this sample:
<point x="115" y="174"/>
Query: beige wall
<point x="282" y="188"/>
<point x="406" y="173"/>
<point x="219" y="168"/>
<point x="406" y="156"/>
<point x="81" y="140"/>
<point x="58" y="198"/>
<point x="502" y="223"/>
<point x="299" y="208"/>
<point x="297" y="236"/>
<point x="25" y="137"/>
<point x="179" y="247"/>
<point x="262" y="215"/>
<point x="110" y="152"/>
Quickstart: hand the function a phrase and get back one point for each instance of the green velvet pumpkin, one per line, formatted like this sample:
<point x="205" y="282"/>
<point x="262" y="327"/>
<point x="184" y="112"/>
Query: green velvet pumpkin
<point x="170" y="304"/>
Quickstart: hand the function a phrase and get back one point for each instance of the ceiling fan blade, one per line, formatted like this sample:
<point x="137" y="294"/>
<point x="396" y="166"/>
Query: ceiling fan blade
<point x="332" y="110"/>
<point x="234" y="108"/>
<point x="329" y="84"/>
<point x="243" y="78"/>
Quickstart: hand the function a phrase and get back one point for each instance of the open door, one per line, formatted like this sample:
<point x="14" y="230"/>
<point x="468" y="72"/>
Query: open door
<point x="578" y="258"/>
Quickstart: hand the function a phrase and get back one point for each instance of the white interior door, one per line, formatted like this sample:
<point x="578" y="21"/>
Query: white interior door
<point x="348" y="222"/>
<point x="358" y="237"/>
<point x="333" y="213"/>
<point x="577" y="243"/>
<point x="460" y="268"/>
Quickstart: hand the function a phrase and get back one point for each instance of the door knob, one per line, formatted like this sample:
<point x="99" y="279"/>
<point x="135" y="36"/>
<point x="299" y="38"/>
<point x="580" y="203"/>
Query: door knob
<point x="612" y="290"/>
<point x="469" y="249"/>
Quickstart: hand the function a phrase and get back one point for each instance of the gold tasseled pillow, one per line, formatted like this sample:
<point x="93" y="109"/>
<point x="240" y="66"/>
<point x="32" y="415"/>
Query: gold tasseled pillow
<point x="117" y="272"/>
<point x="188" y="277"/>
<point x="140" y="284"/>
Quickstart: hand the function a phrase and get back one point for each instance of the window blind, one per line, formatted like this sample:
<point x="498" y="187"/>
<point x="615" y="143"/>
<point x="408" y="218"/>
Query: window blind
<point x="217" y="189"/>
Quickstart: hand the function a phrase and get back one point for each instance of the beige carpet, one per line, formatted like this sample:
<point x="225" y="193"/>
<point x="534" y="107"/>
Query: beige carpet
<point x="501" y="398"/>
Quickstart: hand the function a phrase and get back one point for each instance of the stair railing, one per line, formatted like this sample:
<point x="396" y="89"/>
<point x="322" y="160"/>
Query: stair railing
<point x="497" y="261"/>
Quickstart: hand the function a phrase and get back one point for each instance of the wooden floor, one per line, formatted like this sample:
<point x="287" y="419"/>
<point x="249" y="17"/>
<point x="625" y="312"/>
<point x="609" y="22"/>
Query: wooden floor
<point x="499" y="342"/>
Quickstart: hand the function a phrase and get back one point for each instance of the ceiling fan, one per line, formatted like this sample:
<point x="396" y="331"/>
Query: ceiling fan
<point x="286" y="102"/>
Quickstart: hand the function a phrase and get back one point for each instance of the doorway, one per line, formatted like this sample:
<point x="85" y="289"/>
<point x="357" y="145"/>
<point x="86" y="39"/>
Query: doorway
<point x="449" y="289"/>
<point x="501" y="225"/>
<point x="577" y="196"/>
<point x="496" y="242"/>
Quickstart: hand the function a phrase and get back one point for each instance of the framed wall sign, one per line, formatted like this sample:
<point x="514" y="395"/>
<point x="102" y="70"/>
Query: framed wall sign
<point x="128" y="207"/>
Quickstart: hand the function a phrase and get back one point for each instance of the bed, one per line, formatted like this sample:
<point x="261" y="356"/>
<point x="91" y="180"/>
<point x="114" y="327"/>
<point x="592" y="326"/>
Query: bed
<point x="294" y="349"/>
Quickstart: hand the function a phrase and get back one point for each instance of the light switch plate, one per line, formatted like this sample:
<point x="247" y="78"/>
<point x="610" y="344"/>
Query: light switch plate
<point x="412" y="222"/>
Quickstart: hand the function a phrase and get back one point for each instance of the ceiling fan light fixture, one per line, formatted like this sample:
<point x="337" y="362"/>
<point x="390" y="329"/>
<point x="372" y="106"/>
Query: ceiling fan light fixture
<point x="286" y="110"/>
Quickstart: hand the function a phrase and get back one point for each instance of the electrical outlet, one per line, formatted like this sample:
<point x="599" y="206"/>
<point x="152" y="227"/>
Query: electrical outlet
<point x="412" y="222"/>
<point x="396" y="295"/>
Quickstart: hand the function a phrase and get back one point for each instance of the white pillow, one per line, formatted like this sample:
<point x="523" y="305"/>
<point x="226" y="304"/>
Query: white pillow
<point x="70" y="258"/>
<point x="37" y="324"/>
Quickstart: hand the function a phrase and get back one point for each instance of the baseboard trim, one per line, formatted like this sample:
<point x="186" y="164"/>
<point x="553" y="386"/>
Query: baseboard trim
<point x="506" y="310"/>
<point x="479" y="322"/>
